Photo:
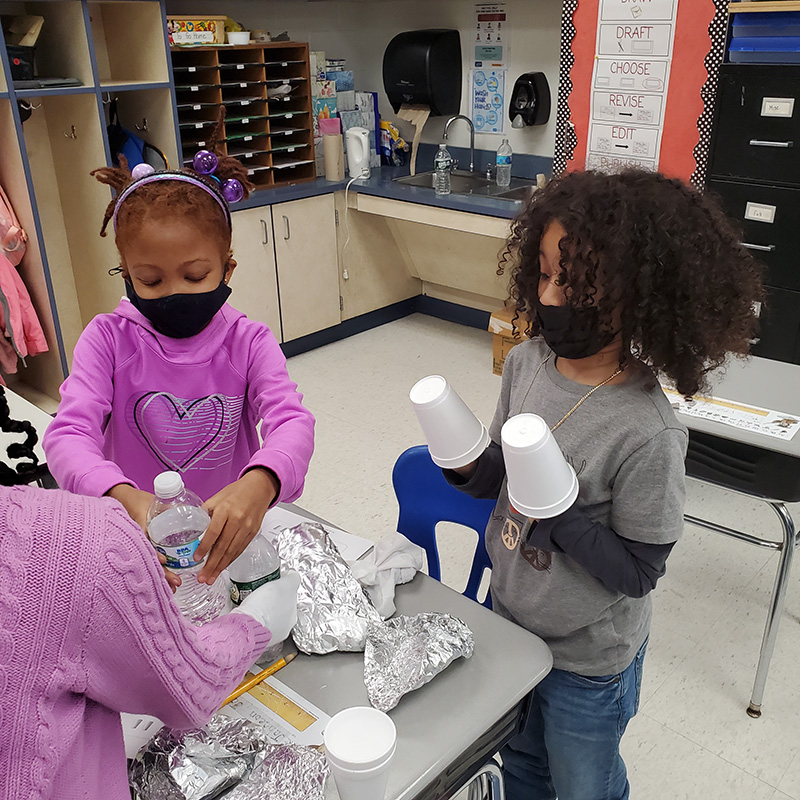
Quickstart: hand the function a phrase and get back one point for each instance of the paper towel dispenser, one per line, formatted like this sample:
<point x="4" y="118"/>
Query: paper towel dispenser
<point x="424" y="68"/>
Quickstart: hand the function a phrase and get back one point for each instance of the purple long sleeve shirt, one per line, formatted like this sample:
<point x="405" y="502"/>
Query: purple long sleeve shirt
<point x="138" y="403"/>
<point x="88" y="629"/>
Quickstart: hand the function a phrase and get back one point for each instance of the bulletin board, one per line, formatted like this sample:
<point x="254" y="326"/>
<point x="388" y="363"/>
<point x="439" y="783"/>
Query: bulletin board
<point x="637" y="84"/>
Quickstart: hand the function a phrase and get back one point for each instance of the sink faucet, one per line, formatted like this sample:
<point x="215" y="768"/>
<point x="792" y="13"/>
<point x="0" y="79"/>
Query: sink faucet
<point x="471" y="137"/>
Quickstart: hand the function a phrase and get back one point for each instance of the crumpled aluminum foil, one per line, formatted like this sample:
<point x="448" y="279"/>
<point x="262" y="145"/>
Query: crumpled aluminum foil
<point x="333" y="610"/>
<point x="230" y="759"/>
<point x="405" y="653"/>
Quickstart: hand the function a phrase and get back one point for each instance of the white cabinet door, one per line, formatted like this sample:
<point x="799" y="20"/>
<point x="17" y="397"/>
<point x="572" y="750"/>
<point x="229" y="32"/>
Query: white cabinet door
<point x="308" y="269"/>
<point x="255" y="282"/>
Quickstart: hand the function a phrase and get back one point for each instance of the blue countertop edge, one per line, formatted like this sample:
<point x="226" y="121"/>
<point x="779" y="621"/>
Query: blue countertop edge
<point x="382" y="184"/>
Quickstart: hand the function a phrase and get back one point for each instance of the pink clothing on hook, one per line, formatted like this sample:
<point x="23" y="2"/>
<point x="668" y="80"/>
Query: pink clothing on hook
<point x="23" y="324"/>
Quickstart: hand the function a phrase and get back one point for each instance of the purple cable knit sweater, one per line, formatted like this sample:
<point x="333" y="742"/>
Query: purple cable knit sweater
<point x="88" y="629"/>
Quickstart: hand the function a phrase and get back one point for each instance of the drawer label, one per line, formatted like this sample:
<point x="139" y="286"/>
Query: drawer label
<point x="759" y="212"/>
<point x="777" y="107"/>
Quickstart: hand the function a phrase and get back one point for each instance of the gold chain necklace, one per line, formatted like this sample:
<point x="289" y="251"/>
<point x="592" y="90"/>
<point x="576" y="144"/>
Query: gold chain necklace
<point x="588" y="394"/>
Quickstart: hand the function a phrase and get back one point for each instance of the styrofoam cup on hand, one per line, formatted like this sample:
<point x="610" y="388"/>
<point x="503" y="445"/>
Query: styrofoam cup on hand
<point x="541" y="484"/>
<point x="455" y="436"/>
<point x="360" y="743"/>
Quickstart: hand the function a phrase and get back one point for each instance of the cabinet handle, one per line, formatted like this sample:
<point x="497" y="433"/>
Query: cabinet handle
<point x="764" y="248"/>
<point x="287" y="234"/>
<point x="265" y="236"/>
<point x="767" y="143"/>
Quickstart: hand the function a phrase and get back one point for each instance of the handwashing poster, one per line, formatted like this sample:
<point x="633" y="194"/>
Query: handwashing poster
<point x="488" y="98"/>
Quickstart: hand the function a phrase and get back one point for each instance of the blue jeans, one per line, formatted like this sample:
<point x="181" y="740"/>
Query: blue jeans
<point x="569" y="745"/>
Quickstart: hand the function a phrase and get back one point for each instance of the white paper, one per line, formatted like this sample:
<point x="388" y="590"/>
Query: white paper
<point x="488" y="100"/>
<point x="738" y="415"/>
<point x="137" y="731"/>
<point x="350" y="546"/>
<point x="491" y="37"/>
<point x="630" y="80"/>
<point x="289" y="719"/>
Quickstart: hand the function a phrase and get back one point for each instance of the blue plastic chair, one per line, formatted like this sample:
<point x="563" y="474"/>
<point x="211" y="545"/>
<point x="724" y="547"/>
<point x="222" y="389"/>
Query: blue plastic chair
<point x="425" y="499"/>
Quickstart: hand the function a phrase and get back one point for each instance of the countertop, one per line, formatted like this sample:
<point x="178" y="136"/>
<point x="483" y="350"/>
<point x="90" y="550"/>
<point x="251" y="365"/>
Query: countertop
<point x="382" y="184"/>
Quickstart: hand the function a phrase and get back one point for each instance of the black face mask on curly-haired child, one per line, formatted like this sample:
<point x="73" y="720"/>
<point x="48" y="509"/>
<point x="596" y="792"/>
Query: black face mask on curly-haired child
<point x="571" y="332"/>
<point x="180" y="316"/>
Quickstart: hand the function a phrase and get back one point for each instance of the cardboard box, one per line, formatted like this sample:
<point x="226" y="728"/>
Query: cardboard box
<point x="196" y="30"/>
<point x="500" y="324"/>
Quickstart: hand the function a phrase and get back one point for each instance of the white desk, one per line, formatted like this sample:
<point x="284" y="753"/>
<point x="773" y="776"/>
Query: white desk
<point x="759" y="466"/>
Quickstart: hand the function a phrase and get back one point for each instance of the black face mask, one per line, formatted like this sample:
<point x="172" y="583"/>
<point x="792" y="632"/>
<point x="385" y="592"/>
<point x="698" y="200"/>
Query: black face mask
<point x="180" y="316"/>
<point x="572" y="332"/>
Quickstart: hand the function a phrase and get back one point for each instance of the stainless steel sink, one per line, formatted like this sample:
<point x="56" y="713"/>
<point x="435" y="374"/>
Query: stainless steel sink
<point x="521" y="194"/>
<point x="475" y="183"/>
<point x="461" y="182"/>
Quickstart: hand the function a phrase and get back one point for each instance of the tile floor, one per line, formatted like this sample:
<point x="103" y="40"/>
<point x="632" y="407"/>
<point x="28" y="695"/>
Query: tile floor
<point x="691" y="739"/>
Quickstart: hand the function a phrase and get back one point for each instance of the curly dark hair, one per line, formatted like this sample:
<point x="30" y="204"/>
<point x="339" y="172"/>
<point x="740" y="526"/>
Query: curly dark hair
<point x="661" y="262"/>
<point x="165" y="199"/>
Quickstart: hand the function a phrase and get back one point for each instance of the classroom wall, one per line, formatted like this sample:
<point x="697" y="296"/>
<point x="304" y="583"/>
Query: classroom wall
<point x="359" y="31"/>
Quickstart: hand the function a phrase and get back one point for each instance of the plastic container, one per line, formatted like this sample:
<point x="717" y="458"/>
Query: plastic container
<point x="765" y="50"/>
<point x="257" y="565"/>
<point x="503" y="163"/>
<point x="455" y="436"/>
<point x="176" y="523"/>
<point x="360" y="743"/>
<point x="442" y="165"/>
<point x="541" y="484"/>
<point x="763" y="23"/>
<point x="238" y="37"/>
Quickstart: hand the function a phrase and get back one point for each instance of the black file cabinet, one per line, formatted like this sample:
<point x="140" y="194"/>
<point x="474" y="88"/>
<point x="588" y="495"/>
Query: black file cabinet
<point x="754" y="170"/>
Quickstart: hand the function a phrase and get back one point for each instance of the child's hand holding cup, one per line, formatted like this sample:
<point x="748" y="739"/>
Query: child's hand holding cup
<point x="456" y="437"/>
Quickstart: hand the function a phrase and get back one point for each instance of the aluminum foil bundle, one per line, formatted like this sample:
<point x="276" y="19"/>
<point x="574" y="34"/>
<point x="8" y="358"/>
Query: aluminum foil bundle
<point x="333" y="610"/>
<point x="405" y="653"/>
<point x="230" y="759"/>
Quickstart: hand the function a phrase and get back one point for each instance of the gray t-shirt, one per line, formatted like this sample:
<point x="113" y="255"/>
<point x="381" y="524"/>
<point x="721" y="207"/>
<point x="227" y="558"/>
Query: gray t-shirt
<point x="628" y="450"/>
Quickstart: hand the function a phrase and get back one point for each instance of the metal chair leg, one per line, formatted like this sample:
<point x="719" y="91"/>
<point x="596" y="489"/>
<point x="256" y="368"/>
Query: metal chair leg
<point x="487" y="783"/>
<point x="777" y="603"/>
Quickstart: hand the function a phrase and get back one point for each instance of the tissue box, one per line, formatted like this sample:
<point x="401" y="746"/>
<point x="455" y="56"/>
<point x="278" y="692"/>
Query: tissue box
<point x="323" y="108"/>
<point x="500" y="324"/>
<point x="344" y="80"/>
<point x="196" y="30"/>
<point x="323" y="89"/>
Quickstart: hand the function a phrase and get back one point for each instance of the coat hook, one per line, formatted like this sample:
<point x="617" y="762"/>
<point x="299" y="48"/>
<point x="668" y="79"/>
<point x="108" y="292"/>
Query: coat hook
<point x="108" y="100"/>
<point x="28" y="106"/>
<point x="72" y="134"/>
<point x="143" y="126"/>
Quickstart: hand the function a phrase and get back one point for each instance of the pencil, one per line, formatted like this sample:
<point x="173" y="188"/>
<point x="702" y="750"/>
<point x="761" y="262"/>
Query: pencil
<point x="256" y="679"/>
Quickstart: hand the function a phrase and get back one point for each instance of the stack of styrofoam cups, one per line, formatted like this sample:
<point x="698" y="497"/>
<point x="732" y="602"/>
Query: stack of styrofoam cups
<point x="359" y="745"/>
<point x="456" y="437"/>
<point x="541" y="484"/>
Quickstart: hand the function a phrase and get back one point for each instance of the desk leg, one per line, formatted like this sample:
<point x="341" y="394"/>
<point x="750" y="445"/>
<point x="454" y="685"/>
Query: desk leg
<point x="775" y="608"/>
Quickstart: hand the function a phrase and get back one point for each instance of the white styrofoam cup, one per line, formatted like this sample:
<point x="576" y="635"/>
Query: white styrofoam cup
<point x="359" y="745"/>
<point x="455" y="436"/>
<point x="541" y="484"/>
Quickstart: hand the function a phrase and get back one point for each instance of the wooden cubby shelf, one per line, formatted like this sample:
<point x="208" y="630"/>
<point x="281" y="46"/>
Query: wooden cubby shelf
<point x="266" y="92"/>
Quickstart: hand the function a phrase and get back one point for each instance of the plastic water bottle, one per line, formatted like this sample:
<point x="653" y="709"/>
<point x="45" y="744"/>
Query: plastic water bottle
<point x="176" y="523"/>
<point x="257" y="565"/>
<point x="441" y="171"/>
<point x="503" y="161"/>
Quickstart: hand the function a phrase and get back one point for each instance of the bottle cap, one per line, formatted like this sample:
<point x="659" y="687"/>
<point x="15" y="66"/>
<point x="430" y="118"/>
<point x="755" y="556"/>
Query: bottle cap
<point x="168" y="484"/>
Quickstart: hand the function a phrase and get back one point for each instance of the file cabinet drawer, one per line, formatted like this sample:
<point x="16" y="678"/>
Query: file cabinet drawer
<point x="770" y="218"/>
<point x="757" y="130"/>
<point x="779" y="337"/>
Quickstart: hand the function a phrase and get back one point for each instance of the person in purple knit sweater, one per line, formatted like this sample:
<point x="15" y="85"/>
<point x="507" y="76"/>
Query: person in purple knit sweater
<point x="88" y="629"/>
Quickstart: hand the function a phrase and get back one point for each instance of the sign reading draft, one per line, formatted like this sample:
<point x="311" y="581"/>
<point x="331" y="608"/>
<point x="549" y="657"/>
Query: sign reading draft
<point x="640" y="84"/>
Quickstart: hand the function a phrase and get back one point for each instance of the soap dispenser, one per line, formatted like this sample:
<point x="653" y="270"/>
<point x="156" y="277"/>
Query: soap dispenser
<point x="530" y="100"/>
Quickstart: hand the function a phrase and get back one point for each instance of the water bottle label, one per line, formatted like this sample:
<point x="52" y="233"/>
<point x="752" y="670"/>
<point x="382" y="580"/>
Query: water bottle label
<point x="503" y="161"/>
<point x="180" y="556"/>
<point x="240" y="589"/>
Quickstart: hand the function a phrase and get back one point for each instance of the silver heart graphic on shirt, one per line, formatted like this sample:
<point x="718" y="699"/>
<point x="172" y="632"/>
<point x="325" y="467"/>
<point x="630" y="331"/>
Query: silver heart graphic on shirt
<point x="179" y="431"/>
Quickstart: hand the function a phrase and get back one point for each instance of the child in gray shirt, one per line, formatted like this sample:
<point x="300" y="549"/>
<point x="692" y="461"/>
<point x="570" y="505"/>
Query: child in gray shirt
<point x="623" y="277"/>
